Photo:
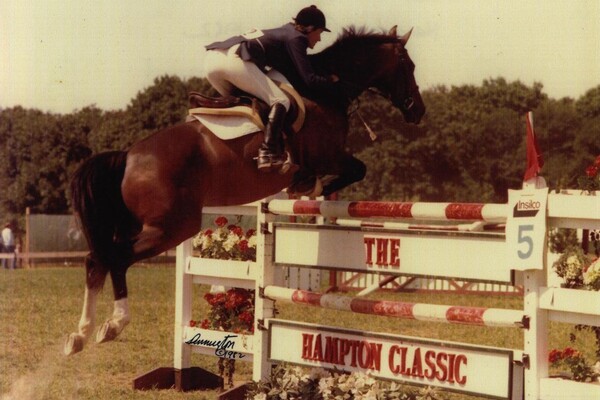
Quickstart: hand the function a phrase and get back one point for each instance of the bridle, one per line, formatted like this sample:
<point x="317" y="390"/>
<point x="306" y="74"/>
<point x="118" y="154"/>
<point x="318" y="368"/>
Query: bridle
<point x="406" y="105"/>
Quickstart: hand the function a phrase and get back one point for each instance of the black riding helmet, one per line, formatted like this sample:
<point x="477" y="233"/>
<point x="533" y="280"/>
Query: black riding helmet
<point x="311" y="16"/>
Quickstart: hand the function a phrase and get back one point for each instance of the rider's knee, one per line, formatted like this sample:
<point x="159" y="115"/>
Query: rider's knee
<point x="284" y="101"/>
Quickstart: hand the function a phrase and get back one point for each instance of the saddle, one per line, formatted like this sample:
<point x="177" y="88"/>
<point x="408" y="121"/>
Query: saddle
<point x="250" y="107"/>
<point x="257" y="111"/>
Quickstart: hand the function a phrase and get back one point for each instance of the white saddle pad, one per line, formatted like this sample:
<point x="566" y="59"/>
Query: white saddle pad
<point x="226" y="127"/>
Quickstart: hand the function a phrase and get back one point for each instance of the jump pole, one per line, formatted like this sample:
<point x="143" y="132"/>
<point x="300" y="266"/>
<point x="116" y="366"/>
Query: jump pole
<point x="493" y="213"/>
<point x="479" y="316"/>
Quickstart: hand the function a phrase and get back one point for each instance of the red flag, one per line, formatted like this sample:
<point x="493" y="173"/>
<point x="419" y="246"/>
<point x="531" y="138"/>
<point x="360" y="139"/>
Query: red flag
<point x="535" y="161"/>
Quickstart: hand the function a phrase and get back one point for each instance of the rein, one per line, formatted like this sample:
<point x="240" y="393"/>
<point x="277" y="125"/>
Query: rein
<point x="372" y="134"/>
<point x="355" y="109"/>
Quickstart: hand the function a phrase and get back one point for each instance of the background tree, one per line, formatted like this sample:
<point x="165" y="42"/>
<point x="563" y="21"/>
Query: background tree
<point x="470" y="145"/>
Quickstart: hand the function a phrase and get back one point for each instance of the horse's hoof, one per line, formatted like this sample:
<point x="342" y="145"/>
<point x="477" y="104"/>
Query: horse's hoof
<point x="289" y="168"/>
<point x="310" y="187"/>
<point x="317" y="190"/>
<point x="106" y="333"/>
<point x="73" y="344"/>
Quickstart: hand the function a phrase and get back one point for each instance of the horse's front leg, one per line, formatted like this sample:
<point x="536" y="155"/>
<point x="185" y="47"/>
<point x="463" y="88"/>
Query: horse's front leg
<point x="352" y="170"/>
<point x="121" y="316"/>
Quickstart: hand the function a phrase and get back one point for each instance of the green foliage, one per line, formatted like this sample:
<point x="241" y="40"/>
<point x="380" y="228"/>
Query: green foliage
<point x="560" y="239"/>
<point x="40" y="151"/>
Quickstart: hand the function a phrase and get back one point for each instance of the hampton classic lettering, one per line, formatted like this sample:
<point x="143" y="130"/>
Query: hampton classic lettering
<point x="416" y="362"/>
<point x="222" y="347"/>
<point x="382" y="252"/>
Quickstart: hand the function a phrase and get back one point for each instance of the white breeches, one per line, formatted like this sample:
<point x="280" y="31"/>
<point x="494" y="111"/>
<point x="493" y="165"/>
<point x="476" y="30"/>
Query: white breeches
<point x="225" y="70"/>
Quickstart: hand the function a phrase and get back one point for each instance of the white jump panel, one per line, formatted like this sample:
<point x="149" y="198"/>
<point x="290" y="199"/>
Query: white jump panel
<point x="470" y="256"/>
<point x="452" y="366"/>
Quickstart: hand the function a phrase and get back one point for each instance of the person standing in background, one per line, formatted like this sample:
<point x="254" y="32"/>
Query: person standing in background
<point x="8" y="240"/>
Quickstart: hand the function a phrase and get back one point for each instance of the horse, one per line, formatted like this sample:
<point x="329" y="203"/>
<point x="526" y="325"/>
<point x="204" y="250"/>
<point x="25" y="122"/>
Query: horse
<point x="136" y="204"/>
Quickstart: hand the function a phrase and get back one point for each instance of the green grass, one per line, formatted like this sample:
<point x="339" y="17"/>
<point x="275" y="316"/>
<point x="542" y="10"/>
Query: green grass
<point x="39" y="307"/>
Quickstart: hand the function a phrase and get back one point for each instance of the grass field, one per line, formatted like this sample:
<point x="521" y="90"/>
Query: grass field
<point x="39" y="307"/>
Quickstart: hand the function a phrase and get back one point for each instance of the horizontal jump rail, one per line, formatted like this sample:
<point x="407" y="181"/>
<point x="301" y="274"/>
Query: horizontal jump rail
<point x="479" y="316"/>
<point x="477" y="226"/>
<point x="400" y="210"/>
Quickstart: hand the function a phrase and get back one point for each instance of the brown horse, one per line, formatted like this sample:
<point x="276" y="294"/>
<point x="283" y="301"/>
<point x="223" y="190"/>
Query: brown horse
<point x="137" y="204"/>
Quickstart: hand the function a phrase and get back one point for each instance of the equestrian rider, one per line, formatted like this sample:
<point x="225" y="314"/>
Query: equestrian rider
<point x="243" y="61"/>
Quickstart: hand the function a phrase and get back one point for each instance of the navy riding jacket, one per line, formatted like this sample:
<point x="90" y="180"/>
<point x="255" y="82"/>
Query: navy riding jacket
<point x="284" y="49"/>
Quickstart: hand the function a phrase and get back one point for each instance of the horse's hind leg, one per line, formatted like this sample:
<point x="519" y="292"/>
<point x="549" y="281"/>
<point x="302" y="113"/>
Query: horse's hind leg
<point x="150" y="242"/>
<point x="111" y="328"/>
<point x="95" y="277"/>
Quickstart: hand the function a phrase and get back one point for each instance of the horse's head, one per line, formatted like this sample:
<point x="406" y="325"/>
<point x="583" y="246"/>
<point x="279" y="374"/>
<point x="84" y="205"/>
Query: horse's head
<point x="365" y="60"/>
<point x="395" y="78"/>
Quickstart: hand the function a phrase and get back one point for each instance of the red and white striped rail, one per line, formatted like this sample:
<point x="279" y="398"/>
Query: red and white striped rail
<point x="418" y="311"/>
<point x="392" y="210"/>
<point x="477" y="226"/>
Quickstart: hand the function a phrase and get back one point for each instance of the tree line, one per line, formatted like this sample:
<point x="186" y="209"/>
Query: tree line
<point x="470" y="145"/>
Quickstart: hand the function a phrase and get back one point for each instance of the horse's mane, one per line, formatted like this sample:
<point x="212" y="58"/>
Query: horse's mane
<point x="352" y="36"/>
<point x="353" y="55"/>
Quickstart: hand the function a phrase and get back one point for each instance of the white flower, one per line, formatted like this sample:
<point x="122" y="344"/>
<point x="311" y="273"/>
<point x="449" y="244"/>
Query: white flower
<point x="197" y="240"/>
<point x="231" y="241"/>
<point x="592" y="275"/>
<point x="325" y="385"/>
<point x="318" y="373"/>
<point x="596" y="368"/>
<point x="260" y="396"/>
<point x="218" y="234"/>
<point x="252" y="241"/>
<point x="573" y="268"/>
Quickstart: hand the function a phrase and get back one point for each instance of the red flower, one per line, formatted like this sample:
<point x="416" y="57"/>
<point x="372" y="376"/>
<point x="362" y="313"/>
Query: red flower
<point x="205" y="324"/>
<point x="192" y="323"/>
<point x="244" y="245"/>
<point x="569" y="352"/>
<point x="237" y="230"/>
<point x="208" y="232"/>
<point x="221" y="221"/>
<point x="250" y="232"/>
<point x="235" y="298"/>
<point x="555" y="356"/>
<point x="592" y="171"/>
<point x="214" y="299"/>
<point x="247" y="317"/>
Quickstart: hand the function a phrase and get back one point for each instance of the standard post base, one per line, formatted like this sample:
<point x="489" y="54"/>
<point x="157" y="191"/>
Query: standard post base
<point x="194" y="378"/>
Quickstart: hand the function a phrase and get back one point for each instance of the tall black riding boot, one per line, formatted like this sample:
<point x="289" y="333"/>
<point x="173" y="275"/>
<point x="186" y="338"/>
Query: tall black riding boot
<point x="271" y="154"/>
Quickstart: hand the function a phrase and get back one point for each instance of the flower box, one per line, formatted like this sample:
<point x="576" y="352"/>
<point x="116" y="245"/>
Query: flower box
<point x="232" y="273"/>
<point x="574" y="209"/>
<point x="556" y="388"/>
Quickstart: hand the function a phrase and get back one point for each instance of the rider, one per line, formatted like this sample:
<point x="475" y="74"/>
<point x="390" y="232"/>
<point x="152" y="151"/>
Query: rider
<point x="243" y="61"/>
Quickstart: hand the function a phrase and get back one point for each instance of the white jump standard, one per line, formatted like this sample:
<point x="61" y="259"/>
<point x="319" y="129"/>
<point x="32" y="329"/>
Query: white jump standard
<point x="377" y="241"/>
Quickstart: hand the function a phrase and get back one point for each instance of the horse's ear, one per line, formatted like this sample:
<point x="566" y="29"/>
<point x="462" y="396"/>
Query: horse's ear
<point x="404" y="39"/>
<point x="392" y="31"/>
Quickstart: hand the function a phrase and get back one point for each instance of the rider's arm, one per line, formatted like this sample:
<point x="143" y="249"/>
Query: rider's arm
<point x="297" y="51"/>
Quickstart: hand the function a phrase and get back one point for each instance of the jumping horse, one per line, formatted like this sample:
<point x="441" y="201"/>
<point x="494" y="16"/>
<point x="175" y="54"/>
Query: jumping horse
<point x="139" y="203"/>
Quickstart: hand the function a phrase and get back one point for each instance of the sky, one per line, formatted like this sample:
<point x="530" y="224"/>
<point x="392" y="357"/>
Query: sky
<point x="64" y="55"/>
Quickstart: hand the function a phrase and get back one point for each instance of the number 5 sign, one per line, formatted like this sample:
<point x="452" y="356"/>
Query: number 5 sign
<point x="526" y="228"/>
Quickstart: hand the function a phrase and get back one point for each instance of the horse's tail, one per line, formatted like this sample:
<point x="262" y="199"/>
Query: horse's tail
<point x="97" y="200"/>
